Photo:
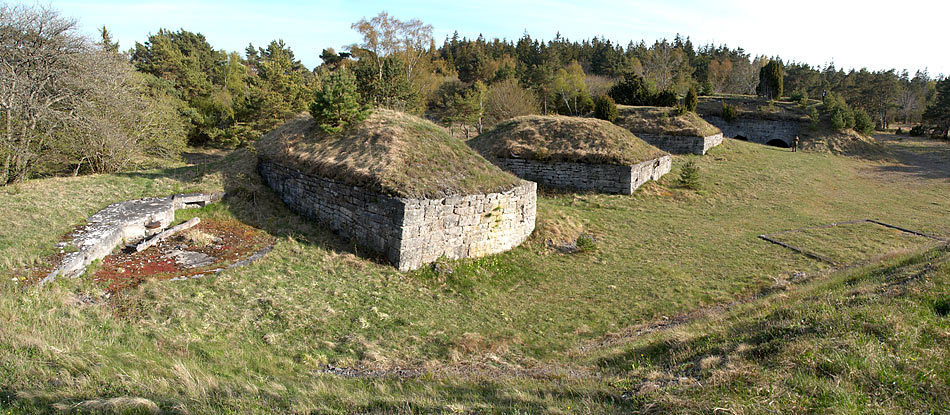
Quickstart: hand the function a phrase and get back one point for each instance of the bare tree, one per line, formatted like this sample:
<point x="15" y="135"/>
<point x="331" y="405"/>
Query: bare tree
<point x="385" y="35"/>
<point x="39" y="58"/>
<point x="65" y="101"/>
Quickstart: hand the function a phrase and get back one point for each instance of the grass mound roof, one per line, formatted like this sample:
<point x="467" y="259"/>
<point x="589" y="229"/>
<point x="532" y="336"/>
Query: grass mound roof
<point x="664" y="121"/>
<point x="560" y="138"/>
<point x="390" y="152"/>
<point x="753" y="107"/>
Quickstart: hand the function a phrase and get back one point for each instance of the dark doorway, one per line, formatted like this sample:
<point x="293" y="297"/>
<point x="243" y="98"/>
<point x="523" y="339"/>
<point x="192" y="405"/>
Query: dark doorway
<point x="741" y="137"/>
<point x="778" y="143"/>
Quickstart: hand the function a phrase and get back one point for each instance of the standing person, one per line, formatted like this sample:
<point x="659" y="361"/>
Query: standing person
<point x="795" y="148"/>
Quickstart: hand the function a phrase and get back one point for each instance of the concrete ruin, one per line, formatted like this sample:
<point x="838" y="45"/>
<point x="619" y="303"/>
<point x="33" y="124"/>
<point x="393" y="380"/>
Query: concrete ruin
<point x="121" y="223"/>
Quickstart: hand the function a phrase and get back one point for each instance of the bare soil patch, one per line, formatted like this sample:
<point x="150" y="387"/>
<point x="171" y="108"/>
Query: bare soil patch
<point x="207" y="248"/>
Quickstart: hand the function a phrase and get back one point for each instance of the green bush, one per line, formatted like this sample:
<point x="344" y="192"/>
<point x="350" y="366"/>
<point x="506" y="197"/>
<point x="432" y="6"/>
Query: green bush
<point x="729" y="112"/>
<point x="839" y="113"/>
<point x="337" y="103"/>
<point x="801" y="97"/>
<point x="586" y="243"/>
<point x="692" y="99"/>
<point x="606" y="108"/>
<point x="862" y="122"/>
<point x="632" y="89"/>
<point x="917" y="130"/>
<point x="689" y="175"/>
<point x="680" y="110"/>
<point x="666" y="98"/>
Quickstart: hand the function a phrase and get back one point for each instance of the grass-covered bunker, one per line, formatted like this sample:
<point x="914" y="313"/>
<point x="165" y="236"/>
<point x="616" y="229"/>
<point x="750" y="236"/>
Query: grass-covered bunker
<point x="678" y="134"/>
<point x="573" y="153"/>
<point x="400" y="186"/>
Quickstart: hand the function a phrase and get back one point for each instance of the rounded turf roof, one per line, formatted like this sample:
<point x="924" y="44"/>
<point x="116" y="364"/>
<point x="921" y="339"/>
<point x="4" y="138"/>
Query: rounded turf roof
<point x="562" y="138"/>
<point x="390" y="152"/>
<point x="664" y="121"/>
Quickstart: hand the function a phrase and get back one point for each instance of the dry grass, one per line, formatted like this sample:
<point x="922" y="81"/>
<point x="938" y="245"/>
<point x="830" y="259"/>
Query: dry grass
<point x="391" y="152"/>
<point x="664" y="121"/>
<point x="753" y="107"/>
<point x="849" y="143"/>
<point x="199" y="238"/>
<point x="560" y="138"/>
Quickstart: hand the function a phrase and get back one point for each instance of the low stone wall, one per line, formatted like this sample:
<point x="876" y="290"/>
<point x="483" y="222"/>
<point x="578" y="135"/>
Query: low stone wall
<point x="682" y="144"/>
<point x="602" y="178"/>
<point x="122" y="223"/>
<point x="758" y="131"/>
<point x="409" y="232"/>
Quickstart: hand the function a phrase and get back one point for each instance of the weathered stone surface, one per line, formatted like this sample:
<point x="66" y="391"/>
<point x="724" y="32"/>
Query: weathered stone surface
<point x="191" y="259"/>
<point x="758" y="131"/>
<point x="682" y="144"/>
<point x="122" y="222"/>
<point x="410" y="232"/>
<point x="603" y="178"/>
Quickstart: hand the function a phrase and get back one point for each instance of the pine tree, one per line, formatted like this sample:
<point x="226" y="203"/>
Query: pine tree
<point x="771" y="80"/>
<point x="692" y="99"/>
<point x="937" y="114"/>
<point x="689" y="175"/>
<point x="337" y="103"/>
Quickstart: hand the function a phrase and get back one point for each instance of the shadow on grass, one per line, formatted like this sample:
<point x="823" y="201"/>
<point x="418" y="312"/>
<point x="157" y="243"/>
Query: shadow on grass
<point x="921" y="157"/>
<point x="251" y="202"/>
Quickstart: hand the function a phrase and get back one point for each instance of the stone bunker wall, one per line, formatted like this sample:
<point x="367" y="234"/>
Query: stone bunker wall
<point x="410" y="232"/>
<point x="603" y="178"/>
<point x="758" y="131"/>
<point x="682" y="144"/>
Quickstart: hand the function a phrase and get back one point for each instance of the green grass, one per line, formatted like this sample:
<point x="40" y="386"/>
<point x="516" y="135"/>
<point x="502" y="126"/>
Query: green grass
<point x="870" y="341"/>
<point x="500" y="334"/>
<point x="854" y="242"/>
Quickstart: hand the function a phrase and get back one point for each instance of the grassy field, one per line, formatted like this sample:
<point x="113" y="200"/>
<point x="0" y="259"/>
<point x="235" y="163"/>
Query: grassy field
<point x="850" y="243"/>
<point x="528" y="331"/>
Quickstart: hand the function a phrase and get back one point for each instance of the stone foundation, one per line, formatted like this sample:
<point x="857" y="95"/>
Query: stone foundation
<point x="602" y="178"/>
<point x="758" y="131"/>
<point x="682" y="144"/>
<point x="409" y="232"/>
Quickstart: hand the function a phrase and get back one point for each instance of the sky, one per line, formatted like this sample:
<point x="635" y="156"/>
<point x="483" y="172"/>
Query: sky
<point x="910" y="34"/>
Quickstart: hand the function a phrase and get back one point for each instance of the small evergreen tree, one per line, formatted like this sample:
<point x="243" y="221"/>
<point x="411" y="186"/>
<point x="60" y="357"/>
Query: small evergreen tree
<point x="689" y="175"/>
<point x="771" y="80"/>
<point x="337" y="102"/>
<point x="839" y="113"/>
<point x="692" y="99"/>
<point x="708" y="88"/>
<point x="606" y="109"/>
<point x="862" y="122"/>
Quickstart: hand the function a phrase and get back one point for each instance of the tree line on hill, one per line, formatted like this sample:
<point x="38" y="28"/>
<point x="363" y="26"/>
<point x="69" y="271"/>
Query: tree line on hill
<point x="70" y="104"/>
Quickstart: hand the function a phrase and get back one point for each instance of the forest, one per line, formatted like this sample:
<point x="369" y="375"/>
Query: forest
<point x="73" y="105"/>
